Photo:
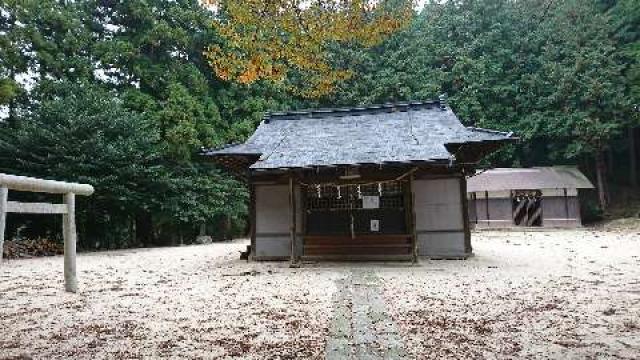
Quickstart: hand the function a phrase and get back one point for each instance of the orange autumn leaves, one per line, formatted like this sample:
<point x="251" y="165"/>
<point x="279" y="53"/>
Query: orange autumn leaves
<point x="278" y="40"/>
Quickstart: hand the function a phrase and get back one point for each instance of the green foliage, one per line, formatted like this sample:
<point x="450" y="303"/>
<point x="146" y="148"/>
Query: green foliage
<point x="550" y="71"/>
<point x="399" y="69"/>
<point x="8" y="91"/>
<point x="79" y="132"/>
<point x="150" y="101"/>
<point x="186" y="123"/>
<point x="153" y="52"/>
<point x="245" y="106"/>
<point x="625" y="17"/>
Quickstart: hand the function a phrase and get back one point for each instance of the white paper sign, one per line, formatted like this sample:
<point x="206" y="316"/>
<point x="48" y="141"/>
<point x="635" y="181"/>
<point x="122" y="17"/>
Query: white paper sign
<point x="371" y="202"/>
<point x="375" y="225"/>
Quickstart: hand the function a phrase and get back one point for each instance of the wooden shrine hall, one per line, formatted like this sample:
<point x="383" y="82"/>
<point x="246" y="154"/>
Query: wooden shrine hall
<point x="380" y="182"/>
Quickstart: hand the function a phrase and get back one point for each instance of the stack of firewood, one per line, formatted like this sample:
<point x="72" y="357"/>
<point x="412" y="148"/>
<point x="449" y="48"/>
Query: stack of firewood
<point x="31" y="248"/>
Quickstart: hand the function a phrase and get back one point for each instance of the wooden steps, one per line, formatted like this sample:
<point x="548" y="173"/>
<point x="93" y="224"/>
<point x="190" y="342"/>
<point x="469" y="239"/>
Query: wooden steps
<point x="379" y="246"/>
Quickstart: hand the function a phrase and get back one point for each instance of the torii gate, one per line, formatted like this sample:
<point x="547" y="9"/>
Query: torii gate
<point x="68" y="211"/>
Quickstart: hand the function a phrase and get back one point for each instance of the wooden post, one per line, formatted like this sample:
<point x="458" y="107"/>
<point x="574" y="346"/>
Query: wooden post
<point x="414" y="235"/>
<point x="633" y="158"/>
<point x="303" y="212"/>
<point x="486" y="207"/>
<point x="292" y="228"/>
<point x="566" y="204"/>
<point x="69" y="233"/>
<point x="4" y="193"/>
<point x="252" y="218"/>
<point x="465" y="214"/>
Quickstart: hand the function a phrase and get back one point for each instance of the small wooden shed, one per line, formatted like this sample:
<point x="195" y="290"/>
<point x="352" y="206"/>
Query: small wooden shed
<point x="364" y="183"/>
<point x="529" y="197"/>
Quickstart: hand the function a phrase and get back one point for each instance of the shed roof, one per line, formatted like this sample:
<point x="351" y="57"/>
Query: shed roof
<point x="377" y="134"/>
<point x="555" y="177"/>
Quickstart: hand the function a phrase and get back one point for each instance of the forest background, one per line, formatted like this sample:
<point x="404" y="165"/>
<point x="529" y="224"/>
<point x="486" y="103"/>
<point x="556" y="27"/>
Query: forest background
<point x="123" y="95"/>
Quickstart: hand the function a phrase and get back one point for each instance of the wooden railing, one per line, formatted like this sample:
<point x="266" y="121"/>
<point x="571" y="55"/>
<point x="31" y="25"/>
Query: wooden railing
<point x="68" y="210"/>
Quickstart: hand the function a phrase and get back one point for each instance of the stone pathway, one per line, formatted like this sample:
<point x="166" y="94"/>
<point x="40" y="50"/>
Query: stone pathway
<point x="361" y="328"/>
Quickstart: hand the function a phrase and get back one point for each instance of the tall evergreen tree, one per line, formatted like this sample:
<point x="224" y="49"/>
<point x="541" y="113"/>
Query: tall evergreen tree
<point x="550" y="71"/>
<point x="150" y="55"/>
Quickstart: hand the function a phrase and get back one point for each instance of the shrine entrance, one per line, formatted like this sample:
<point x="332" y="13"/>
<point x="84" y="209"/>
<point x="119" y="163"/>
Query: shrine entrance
<point x="357" y="221"/>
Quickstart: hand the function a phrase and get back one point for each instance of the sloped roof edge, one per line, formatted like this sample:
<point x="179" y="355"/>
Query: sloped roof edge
<point x="552" y="177"/>
<point x="410" y="132"/>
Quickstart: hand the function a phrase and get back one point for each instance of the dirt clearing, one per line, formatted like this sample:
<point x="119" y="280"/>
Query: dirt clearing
<point x="553" y="294"/>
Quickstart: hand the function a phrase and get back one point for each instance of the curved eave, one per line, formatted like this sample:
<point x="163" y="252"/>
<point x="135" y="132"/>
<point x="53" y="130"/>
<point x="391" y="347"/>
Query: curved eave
<point x="471" y="152"/>
<point x="407" y="163"/>
<point x="234" y="162"/>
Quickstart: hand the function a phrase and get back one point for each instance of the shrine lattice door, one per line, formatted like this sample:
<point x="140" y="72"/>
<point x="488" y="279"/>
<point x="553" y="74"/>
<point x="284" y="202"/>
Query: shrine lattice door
<point x="357" y="220"/>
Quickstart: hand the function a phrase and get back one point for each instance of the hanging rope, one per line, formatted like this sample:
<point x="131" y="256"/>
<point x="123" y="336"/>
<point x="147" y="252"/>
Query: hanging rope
<point x="399" y="178"/>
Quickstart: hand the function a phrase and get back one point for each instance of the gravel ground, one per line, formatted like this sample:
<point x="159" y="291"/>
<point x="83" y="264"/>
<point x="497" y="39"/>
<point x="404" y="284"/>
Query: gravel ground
<point x="193" y="302"/>
<point x="552" y="294"/>
<point x="559" y="294"/>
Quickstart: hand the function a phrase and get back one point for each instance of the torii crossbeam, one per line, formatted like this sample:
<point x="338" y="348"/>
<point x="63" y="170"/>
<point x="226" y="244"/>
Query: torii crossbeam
<point x="68" y="211"/>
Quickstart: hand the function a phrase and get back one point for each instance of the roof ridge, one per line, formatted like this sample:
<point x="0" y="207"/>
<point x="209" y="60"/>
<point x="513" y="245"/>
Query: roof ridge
<point x="350" y="111"/>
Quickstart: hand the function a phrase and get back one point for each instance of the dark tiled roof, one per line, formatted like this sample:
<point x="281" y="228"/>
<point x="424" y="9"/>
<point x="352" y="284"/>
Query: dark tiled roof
<point x="556" y="177"/>
<point x="408" y="132"/>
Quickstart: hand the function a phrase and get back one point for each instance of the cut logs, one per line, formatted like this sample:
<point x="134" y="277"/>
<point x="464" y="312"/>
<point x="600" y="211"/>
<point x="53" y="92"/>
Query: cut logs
<point x="31" y="248"/>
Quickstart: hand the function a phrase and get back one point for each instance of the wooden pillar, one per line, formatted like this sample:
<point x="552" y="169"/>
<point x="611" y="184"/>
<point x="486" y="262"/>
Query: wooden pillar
<point x="465" y="214"/>
<point x="252" y="218"/>
<point x="566" y="204"/>
<point x="4" y="193"/>
<point x="633" y="158"/>
<point x="486" y="207"/>
<point x="69" y="234"/>
<point x="292" y="227"/>
<point x="414" y="235"/>
<point x="303" y="213"/>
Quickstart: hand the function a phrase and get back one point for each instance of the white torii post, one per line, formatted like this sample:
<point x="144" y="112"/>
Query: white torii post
<point x="68" y="211"/>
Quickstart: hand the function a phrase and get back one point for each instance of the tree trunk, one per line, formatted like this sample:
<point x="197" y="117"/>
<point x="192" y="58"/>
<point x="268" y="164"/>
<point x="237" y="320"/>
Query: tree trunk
<point x="144" y="228"/>
<point x="227" y="227"/>
<point x="132" y="230"/>
<point x="633" y="158"/>
<point x="601" y="169"/>
<point x="11" y="119"/>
